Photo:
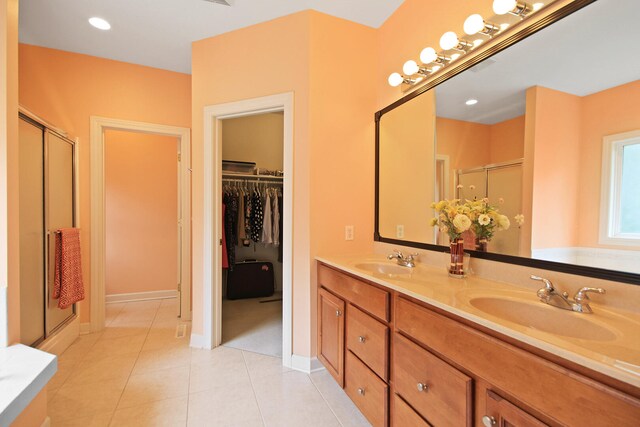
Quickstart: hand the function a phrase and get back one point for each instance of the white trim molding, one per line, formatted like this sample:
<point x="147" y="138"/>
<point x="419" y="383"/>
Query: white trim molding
<point x="98" y="233"/>
<point x="306" y="364"/>
<point x="141" y="296"/>
<point x="610" y="190"/>
<point x="212" y="222"/>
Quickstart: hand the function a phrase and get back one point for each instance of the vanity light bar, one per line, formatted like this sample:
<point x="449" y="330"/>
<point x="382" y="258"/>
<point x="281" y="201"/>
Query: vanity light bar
<point x="434" y="61"/>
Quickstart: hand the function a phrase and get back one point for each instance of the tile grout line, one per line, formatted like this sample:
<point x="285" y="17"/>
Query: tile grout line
<point x="133" y="367"/>
<point x="253" y="390"/>
<point x="325" y="400"/>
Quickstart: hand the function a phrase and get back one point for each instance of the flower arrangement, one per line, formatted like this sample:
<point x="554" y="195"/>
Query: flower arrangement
<point x="484" y="219"/>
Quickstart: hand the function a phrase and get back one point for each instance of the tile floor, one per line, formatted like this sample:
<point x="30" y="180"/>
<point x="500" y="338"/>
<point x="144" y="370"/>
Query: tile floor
<point x="137" y="373"/>
<point x="248" y="324"/>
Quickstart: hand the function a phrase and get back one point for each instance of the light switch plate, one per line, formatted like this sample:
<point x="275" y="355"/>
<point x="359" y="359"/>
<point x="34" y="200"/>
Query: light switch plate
<point x="399" y="231"/>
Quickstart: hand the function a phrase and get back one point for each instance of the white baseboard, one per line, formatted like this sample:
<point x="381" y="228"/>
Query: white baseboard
<point x="85" y="328"/>
<point x="305" y="364"/>
<point x="197" y="341"/>
<point x="141" y="296"/>
<point x="62" y="339"/>
<point x="4" y="326"/>
<point x="46" y="422"/>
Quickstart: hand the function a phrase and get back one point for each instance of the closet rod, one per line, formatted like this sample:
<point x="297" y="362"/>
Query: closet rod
<point x="249" y="180"/>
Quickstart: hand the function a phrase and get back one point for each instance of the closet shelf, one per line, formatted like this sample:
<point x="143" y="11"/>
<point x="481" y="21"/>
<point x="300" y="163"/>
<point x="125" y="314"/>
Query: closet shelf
<point x="244" y="176"/>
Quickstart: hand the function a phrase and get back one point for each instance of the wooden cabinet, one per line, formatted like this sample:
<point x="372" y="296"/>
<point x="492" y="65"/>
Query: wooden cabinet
<point x="502" y="413"/>
<point x="331" y="334"/>
<point x="367" y="391"/>
<point x="436" y="369"/>
<point x="439" y="392"/>
<point x="368" y="339"/>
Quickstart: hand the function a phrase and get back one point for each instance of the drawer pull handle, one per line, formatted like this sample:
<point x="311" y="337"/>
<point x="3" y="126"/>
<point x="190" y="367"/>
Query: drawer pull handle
<point x="361" y="391"/>
<point x="338" y="313"/>
<point x="488" y="421"/>
<point x="422" y="387"/>
<point x="361" y="339"/>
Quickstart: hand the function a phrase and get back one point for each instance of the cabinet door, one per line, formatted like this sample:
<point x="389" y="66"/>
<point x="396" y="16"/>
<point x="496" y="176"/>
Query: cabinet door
<point x="502" y="413"/>
<point x="331" y="334"/>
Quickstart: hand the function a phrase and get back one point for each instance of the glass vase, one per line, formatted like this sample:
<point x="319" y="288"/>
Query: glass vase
<point x="456" y="264"/>
<point x="481" y="244"/>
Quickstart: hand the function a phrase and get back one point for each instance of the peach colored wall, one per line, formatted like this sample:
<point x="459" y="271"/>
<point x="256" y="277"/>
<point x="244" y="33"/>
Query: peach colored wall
<point x="556" y="165"/>
<point x="467" y="144"/>
<point x="304" y="53"/>
<point x="67" y="88"/>
<point x="256" y="138"/>
<point x="507" y="140"/>
<point x="141" y="195"/>
<point x="615" y="110"/>
<point x="35" y="413"/>
<point x="9" y="222"/>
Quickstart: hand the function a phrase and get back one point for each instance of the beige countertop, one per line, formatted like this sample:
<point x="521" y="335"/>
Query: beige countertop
<point x="606" y="341"/>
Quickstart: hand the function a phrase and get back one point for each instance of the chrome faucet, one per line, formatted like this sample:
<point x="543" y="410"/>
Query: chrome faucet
<point x="408" y="261"/>
<point x="580" y="303"/>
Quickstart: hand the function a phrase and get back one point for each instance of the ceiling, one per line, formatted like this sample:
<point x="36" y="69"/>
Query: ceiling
<point x="587" y="52"/>
<point x="159" y="33"/>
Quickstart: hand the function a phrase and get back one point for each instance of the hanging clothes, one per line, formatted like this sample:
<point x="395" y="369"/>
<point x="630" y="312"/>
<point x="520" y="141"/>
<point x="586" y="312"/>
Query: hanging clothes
<point x="247" y="219"/>
<point x="267" y="226"/>
<point x="275" y="213"/>
<point x="225" y="258"/>
<point x="242" y="231"/>
<point x="280" y="209"/>
<point x="231" y="226"/>
<point x="256" y="216"/>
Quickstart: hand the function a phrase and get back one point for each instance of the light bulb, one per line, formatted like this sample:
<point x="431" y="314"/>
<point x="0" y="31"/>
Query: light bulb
<point x="477" y="42"/>
<point x="410" y="68"/>
<point x="473" y="24"/>
<point x="395" y="79"/>
<point x="504" y="26"/>
<point x="455" y="56"/>
<point x="501" y="7"/>
<point x="537" y="6"/>
<point x="449" y="40"/>
<point x="99" y="23"/>
<point x="428" y="55"/>
<point x="435" y="68"/>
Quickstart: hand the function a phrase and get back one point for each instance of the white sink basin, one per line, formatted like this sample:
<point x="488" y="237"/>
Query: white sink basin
<point x="543" y="317"/>
<point x="380" y="268"/>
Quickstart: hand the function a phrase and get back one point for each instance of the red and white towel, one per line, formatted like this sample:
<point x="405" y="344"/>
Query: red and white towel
<point x="68" y="287"/>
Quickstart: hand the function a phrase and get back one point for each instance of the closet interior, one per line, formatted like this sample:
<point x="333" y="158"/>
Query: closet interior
<point x="47" y="204"/>
<point x="253" y="221"/>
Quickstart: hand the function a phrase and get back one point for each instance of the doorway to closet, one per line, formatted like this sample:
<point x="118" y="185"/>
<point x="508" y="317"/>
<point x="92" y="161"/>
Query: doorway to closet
<point x="252" y="150"/>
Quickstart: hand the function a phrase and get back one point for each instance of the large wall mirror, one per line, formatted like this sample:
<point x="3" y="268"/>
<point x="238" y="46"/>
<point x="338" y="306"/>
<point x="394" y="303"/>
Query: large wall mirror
<point x="553" y="135"/>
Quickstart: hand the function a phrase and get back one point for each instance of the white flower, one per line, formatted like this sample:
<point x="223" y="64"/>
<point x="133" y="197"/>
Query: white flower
<point x="503" y="222"/>
<point x="484" y="219"/>
<point x="461" y="223"/>
<point x="519" y="219"/>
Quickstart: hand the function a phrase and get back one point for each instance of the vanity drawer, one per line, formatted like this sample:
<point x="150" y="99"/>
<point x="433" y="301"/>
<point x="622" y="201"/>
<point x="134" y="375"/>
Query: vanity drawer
<point x="438" y="391"/>
<point x="367" y="297"/>
<point x="402" y="415"/>
<point x="366" y="390"/>
<point x="368" y="339"/>
<point x="544" y="386"/>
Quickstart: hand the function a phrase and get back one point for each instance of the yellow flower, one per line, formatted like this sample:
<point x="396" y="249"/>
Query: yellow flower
<point x="503" y="222"/>
<point x="434" y="222"/>
<point x="484" y="219"/>
<point x="461" y="223"/>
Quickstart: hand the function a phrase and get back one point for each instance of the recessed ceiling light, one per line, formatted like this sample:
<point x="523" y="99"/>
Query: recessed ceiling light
<point x="471" y="101"/>
<point x="99" y="23"/>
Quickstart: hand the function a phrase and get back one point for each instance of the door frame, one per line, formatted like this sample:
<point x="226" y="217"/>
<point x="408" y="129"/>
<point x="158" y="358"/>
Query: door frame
<point x="212" y="225"/>
<point x="98" y="231"/>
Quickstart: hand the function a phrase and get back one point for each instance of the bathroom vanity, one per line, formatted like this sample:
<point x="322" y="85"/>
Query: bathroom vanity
<point x="413" y="347"/>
